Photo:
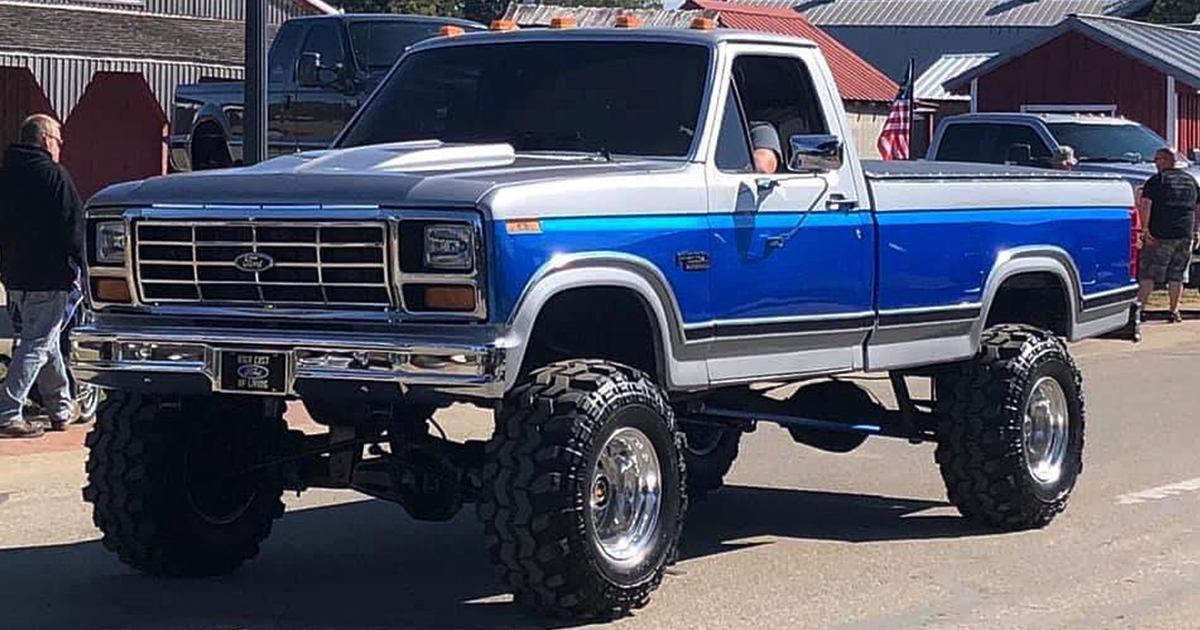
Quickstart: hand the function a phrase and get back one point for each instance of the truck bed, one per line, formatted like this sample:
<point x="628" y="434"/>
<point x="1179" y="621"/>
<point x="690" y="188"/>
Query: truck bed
<point x="923" y="170"/>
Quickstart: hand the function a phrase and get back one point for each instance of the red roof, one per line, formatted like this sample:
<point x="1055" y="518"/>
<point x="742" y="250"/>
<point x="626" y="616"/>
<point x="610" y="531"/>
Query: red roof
<point x="856" y="79"/>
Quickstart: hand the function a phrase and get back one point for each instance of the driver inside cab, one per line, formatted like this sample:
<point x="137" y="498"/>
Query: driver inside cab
<point x="768" y="152"/>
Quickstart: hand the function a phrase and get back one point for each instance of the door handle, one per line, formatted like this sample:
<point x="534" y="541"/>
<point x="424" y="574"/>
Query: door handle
<point x="839" y="203"/>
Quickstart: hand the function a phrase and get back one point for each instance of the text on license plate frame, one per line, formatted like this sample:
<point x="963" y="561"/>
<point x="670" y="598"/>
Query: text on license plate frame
<point x="260" y="372"/>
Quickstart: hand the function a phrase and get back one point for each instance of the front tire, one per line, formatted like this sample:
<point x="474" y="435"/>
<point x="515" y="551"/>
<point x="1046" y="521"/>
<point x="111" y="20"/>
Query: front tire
<point x="159" y="486"/>
<point x="1011" y="434"/>
<point x="584" y="496"/>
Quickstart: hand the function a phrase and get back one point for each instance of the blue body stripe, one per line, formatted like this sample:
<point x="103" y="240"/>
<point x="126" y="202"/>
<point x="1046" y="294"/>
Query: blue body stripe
<point x="926" y="258"/>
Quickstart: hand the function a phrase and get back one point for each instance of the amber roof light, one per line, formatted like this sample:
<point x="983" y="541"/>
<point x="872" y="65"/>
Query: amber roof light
<point x="503" y="25"/>
<point x="563" y="22"/>
<point x="628" y="21"/>
<point x="451" y="31"/>
<point x="704" y="24"/>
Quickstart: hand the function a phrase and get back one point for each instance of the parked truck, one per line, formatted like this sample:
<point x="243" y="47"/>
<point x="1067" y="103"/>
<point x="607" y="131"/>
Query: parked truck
<point x="319" y="70"/>
<point x="519" y="220"/>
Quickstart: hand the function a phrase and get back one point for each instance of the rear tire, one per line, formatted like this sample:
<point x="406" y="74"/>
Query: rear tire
<point x="156" y="485"/>
<point x="551" y="489"/>
<point x="1011" y="433"/>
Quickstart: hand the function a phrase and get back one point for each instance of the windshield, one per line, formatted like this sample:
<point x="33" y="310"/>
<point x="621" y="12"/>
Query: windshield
<point x="377" y="45"/>
<point x="630" y="98"/>
<point x="1108" y="143"/>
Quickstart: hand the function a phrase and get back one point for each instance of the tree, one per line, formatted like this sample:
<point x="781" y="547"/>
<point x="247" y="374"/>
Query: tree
<point x="1174" y="11"/>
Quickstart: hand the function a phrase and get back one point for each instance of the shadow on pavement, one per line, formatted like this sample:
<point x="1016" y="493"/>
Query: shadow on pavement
<point x="367" y="565"/>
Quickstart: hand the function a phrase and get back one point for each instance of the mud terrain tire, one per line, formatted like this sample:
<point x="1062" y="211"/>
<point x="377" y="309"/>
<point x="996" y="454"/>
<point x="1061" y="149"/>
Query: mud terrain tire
<point x="143" y="455"/>
<point x="988" y="431"/>
<point x="542" y="502"/>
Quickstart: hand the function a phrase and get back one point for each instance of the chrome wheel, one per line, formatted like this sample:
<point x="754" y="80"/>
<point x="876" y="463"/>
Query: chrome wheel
<point x="626" y="496"/>
<point x="1045" y="430"/>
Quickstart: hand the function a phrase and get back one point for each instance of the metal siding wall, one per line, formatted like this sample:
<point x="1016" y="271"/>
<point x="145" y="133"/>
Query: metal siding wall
<point x="1075" y="70"/>
<point x="889" y="48"/>
<point x="278" y="11"/>
<point x="1189" y="121"/>
<point x="64" y="79"/>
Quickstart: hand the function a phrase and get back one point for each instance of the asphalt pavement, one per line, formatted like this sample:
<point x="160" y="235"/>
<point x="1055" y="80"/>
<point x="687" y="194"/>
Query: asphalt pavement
<point x="799" y="539"/>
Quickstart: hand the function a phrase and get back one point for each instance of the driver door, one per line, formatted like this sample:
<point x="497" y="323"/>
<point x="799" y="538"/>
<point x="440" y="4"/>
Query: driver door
<point x="793" y="253"/>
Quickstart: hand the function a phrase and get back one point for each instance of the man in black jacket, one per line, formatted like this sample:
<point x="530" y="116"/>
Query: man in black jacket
<point x="41" y="253"/>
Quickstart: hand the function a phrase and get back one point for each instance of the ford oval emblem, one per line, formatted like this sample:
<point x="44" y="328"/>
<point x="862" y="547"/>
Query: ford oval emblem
<point x="253" y="262"/>
<point x="253" y="372"/>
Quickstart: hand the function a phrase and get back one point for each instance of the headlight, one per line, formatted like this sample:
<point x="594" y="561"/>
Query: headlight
<point x="110" y="243"/>
<point x="449" y="247"/>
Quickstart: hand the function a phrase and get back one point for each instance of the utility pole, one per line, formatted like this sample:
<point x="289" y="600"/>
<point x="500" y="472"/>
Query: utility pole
<point x="254" y="147"/>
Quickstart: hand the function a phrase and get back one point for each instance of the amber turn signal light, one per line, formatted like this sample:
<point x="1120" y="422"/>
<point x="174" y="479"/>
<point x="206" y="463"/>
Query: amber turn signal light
<point x="562" y="22"/>
<point x="628" y="21"/>
<point x="456" y="299"/>
<point x="451" y="31"/>
<point x="503" y="25"/>
<point x="704" y="24"/>
<point x="114" y="290"/>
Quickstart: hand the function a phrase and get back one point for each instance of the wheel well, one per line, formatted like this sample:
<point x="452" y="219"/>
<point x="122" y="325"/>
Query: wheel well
<point x="1038" y="299"/>
<point x="610" y="323"/>
<point x="209" y="147"/>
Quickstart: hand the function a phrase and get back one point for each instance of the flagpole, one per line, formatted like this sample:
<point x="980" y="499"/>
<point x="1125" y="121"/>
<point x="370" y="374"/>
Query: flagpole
<point x="912" y="103"/>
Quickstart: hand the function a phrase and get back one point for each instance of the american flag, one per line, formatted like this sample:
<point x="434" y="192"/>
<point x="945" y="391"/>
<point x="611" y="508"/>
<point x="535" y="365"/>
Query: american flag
<point x="897" y="130"/>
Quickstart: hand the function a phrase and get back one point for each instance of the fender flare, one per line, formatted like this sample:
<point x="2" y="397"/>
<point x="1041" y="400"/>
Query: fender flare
<point x="613" y="270"/>
<point x="214" y="114"/>
<point x="1036" y="259"/>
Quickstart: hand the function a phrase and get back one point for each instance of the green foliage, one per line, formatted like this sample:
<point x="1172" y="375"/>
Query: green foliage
<point x="1174" y="11"/>
<point x="483" y="11"/>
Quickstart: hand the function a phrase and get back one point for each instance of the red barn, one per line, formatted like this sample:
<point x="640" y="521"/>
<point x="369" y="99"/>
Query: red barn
<point x="1145" y="72"/>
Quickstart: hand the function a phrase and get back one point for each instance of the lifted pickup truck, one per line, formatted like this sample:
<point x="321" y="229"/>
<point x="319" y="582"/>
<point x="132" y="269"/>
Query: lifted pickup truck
<point x="518" y="220"/>
<point x="320" y="69"/>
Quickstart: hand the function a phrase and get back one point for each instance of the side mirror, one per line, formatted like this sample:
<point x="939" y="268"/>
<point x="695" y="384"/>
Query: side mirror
<point x="816" y="154"/>
<point x="308" y="70"/>
<point x="1019" y="155"/>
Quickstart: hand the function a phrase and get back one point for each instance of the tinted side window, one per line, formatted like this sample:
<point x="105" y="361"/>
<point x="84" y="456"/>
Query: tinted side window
<point x="733" y="149"/>
<point x="962" y="143"/>
<point x="282" y="57"/>
<point x="326" y="40"/>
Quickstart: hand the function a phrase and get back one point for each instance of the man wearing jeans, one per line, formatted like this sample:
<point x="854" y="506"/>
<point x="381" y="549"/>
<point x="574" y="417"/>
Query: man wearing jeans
<point x="41" y="253"/>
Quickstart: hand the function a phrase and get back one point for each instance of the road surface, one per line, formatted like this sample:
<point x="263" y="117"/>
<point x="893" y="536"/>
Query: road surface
<point x="800" y="539"/>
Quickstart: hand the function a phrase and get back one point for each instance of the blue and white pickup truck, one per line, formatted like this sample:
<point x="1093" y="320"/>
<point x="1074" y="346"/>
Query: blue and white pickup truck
<point x="567" y="227"/>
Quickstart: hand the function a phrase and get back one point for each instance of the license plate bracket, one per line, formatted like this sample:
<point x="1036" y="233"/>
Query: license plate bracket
<point x="254" y="372"/>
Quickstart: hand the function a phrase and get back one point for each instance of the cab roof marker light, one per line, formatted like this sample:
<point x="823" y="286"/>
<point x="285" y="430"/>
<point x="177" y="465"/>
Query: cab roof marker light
<point x="503" y="25"/>
<point x="628" y="21"/>
<point x="563" y="22"/>
<point x="451" y="31"/>
<point x="704" y="24"/>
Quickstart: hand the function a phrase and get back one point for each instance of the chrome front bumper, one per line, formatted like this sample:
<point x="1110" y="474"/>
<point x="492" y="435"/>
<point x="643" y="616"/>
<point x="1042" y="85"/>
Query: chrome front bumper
<point x="183" y="361"/>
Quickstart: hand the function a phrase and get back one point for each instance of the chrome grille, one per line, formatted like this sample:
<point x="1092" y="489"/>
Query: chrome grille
<point x="339" y="264"/>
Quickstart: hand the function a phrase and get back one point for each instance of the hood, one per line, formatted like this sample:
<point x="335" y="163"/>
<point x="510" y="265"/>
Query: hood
<point x="412" y="174"/>
<point x="24" y="155"/>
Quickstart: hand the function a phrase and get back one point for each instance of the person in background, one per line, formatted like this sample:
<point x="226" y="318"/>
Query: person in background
<point x="1168" y="207"/>
<point x="41" y="255"/>
<point x="1064" y="159"/>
